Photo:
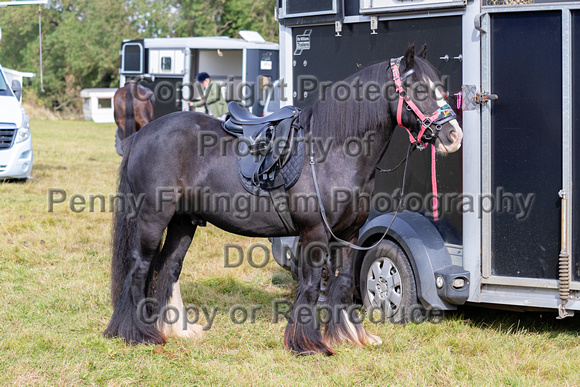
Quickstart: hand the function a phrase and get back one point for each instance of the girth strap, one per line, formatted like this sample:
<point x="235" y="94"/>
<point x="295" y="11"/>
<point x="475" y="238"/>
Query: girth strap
<point x="279" y="197"/>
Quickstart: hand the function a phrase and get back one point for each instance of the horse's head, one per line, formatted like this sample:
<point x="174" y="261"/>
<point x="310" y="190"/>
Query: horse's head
<point x="420" y="103"/>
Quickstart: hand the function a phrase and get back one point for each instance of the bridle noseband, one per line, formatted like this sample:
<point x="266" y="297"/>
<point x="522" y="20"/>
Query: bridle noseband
<point x="442" y="115"/>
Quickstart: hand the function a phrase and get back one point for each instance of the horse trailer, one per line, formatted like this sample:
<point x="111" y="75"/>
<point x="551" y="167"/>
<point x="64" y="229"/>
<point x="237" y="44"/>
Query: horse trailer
<point x="508" y="231"/>
<point x="98" y="105"/>
<point x="245" y="68"/>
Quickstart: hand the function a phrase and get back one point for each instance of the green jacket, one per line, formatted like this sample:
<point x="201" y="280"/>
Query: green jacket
<point x="214" y="101"/>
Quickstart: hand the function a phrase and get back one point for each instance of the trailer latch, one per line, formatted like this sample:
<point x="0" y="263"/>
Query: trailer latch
<point x="484" y="96"/>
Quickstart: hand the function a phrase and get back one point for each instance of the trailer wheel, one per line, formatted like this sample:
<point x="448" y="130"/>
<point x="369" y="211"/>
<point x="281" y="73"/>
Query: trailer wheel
<point x="388" y="285"/>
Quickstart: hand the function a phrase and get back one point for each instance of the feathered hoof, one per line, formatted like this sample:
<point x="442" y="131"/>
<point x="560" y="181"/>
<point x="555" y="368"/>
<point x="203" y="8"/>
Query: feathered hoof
<point x="373" y="339"/>
<point x="345" y="331"/>
<point x="148" y="337"/>
<point x="303" y="340"/>
<point x="133" y="331"/>
<point x="193" y="331"/>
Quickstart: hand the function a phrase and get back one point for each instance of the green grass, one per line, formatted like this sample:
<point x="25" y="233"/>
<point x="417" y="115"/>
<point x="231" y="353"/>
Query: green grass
<point x="54" y="284"/>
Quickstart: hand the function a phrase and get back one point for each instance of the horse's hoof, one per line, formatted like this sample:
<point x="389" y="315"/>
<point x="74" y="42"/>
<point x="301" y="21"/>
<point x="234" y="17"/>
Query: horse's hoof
<point x="317" y="350"/>
<point x="193" y="331"/>
<point x="373" y="340"/>
<point x="301" y="340"/>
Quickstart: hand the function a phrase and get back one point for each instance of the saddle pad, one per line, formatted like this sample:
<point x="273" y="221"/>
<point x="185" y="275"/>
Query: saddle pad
<point x="291" y="171"/>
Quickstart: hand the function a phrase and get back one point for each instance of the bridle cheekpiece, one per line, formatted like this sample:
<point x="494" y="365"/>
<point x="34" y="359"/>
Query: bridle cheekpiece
<point x="426" y="135"/>
<point x="442" y="115"/>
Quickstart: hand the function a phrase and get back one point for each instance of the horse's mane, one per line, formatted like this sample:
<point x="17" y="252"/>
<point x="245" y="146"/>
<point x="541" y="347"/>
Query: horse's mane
<point x="342" y="119"/>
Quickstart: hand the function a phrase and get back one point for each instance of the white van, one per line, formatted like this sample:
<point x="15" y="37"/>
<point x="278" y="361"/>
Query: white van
<point x="15" y="143"/>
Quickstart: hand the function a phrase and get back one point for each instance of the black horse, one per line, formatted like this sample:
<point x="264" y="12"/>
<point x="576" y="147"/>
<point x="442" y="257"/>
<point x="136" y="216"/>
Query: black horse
<point x="168" y="156"/>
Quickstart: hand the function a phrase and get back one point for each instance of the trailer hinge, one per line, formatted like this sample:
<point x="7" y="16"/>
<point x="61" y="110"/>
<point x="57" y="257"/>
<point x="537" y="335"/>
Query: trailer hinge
<point x="338" y="27"/>
<point x="374" y="24"/>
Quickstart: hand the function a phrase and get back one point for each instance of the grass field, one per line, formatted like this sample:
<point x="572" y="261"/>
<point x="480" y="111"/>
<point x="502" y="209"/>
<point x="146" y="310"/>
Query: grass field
<point x="54" y="285"/>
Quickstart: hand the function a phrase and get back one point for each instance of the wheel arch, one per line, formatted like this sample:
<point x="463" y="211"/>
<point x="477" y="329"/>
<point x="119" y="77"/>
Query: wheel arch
<point x="422" y="244"/>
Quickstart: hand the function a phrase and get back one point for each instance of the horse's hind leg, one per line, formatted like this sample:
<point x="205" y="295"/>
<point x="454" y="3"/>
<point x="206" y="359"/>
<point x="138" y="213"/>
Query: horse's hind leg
<point x="302" y="335"/>
<point x="345" y="324"/>
<point x="164" y="281"/>
<point x="131" y="319"/>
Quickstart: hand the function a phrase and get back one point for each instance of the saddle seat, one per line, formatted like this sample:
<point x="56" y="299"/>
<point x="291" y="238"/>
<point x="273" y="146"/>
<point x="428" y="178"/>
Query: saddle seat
<point x="265" y="142"/>
<point x="243" y="123"/>
<point x="241" y="116"/>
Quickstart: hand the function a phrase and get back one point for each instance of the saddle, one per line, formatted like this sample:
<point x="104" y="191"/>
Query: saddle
<point x="270" y="153"/>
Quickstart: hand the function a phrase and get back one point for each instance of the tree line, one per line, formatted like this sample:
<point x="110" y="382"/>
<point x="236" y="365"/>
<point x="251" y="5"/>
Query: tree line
<point x="81" y="38"/>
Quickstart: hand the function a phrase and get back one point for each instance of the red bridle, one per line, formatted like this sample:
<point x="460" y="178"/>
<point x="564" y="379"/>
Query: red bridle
<point x="438" y="118"/>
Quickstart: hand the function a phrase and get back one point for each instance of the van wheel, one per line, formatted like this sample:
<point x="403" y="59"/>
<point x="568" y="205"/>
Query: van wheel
<point x="388" y="285"/>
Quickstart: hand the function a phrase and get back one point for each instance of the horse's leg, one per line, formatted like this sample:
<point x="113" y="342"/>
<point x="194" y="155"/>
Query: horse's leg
<point x="131" y="319"/>
<point x="302" y="335"/>
<point x="143" y="114"/>
<point x="172" y="321"/>
<point x="344" y="323"/>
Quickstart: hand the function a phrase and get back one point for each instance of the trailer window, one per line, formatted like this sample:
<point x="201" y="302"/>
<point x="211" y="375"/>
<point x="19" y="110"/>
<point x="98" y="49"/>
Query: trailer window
<point x="132" y="58"/>
<point x="166" y="63"/>
<point x="379" y="6"/>
<point x="520" y="2"/>
<point x="300" y="8"/>
<point x="105" y="103"/>
<point x="508" y="2"/>
<point x="264" y="85"/>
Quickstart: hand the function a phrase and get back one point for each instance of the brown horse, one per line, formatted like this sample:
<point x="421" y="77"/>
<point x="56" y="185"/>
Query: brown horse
<point x="133" y="110"/>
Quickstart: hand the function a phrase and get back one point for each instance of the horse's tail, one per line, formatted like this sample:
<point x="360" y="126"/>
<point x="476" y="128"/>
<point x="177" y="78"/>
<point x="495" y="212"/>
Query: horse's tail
<point x="151" y="107"/>
<point x="129" y="113"/>
<point x="128" y="319"/>
<point x="123" y="231"/>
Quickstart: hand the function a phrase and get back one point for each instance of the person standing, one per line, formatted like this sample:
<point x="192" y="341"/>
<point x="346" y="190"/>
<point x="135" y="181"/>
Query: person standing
<point x="212" y="97"/>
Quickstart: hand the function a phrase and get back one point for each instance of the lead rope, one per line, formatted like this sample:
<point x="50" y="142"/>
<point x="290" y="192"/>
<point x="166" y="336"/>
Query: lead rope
<point x="434" y="183"/>
<point x="323" y="212"/>
<point x="411" y="105"/>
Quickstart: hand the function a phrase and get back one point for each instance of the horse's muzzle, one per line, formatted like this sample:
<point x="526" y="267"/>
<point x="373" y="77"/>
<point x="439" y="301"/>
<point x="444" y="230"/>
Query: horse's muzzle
<point x="453" y="141"/>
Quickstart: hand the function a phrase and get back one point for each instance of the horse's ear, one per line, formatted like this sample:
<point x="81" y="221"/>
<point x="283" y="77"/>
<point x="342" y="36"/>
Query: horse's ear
<point x="423" y="51"/>
<point x="410" y="57"/>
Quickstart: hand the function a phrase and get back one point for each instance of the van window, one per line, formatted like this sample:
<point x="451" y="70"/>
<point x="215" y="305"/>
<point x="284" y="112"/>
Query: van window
<point x="4" y="89"/>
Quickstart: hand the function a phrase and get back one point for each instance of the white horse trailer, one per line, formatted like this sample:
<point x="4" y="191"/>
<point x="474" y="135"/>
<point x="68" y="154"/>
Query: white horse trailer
<point x="246" y="68"/>
<point x="98" y="105"/>
<point x="509" y="230"/>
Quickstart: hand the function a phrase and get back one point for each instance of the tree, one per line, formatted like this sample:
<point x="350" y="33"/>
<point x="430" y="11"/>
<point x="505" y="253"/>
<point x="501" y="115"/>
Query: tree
<point x="225" y="18"/>
<point x="81" y="38"/>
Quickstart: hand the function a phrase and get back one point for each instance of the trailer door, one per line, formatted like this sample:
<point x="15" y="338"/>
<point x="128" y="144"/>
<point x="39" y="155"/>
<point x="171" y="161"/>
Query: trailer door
<point x="525" y="142"/>
<point x="575" y="148"/>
